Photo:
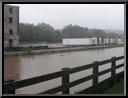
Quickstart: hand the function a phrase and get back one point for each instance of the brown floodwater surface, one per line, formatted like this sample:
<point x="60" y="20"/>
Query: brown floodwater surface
<point x="27" y="66"/>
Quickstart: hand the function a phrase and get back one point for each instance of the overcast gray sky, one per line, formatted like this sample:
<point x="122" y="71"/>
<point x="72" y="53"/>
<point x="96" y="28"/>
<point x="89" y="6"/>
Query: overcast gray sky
<point x="101" y="16"/>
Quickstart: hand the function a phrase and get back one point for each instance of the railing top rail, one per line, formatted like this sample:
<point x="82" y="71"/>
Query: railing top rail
<point x="120" y="57"/>
<point x="84" y="67"/>
<point x="31" y="81"/>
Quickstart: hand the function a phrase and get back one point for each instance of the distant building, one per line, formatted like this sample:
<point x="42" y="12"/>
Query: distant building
<point x="11" y="25"/>
<point x="79" y="41"/>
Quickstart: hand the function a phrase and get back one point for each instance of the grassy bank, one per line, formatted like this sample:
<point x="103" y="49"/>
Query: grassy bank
<point x="116" y="89"/>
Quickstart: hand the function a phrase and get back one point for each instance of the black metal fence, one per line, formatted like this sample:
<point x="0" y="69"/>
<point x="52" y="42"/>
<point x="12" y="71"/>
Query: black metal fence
<point x="10" y="87"/>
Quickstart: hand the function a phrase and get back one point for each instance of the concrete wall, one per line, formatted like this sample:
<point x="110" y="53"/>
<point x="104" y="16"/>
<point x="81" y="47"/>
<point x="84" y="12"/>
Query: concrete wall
<point x="13" y="26"/>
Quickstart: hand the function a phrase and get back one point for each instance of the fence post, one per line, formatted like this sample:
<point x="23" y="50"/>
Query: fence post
<point x="65" y="79"/>
<point x="95" y="77"/>
<point x="9" y="89"/>
<point x="113" y="72"/>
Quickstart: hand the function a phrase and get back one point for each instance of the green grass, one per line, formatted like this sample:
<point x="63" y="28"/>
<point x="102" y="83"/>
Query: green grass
<point x="116" y="89"/>
<point x="27" y="50"/>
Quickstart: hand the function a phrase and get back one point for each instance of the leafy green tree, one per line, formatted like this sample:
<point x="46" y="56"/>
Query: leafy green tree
<point x="44" y="32"/>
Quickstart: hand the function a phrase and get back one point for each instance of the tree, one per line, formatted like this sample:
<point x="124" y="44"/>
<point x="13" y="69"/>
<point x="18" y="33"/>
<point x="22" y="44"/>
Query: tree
<point x="75" y="31"/>
<point x="44" y="32"/>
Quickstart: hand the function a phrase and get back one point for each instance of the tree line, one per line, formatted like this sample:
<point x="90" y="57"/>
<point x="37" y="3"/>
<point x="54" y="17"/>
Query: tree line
<point x="43" y="32"/>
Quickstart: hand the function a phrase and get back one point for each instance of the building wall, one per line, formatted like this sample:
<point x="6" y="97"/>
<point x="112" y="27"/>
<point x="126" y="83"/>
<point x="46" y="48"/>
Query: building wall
<point x="11" y="27"/>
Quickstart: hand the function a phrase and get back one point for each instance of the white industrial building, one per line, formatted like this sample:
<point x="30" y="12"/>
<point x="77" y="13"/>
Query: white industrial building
<point x="120" y="41"/>
<point x="90" y="41"/>
<point x="79" y="41"/>
<point x="106" y="40"/>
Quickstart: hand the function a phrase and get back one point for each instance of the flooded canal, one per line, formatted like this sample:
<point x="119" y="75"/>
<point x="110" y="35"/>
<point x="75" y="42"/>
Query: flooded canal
<point x="23" y="67"/>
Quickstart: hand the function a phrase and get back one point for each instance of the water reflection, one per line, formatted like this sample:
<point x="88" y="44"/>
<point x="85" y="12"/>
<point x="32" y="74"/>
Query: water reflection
<point x="12" y="68"/>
